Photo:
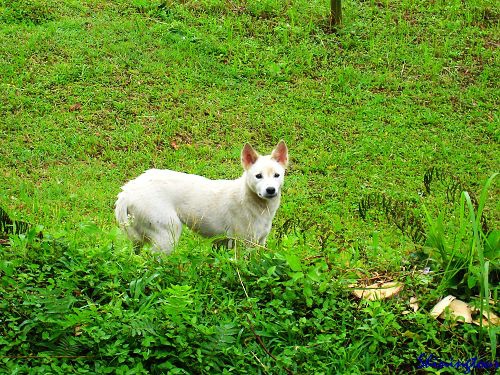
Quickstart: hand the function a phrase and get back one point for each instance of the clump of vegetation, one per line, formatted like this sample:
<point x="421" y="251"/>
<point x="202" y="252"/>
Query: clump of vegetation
<point x="106" y="309"/>
<point x="33" y="12"/>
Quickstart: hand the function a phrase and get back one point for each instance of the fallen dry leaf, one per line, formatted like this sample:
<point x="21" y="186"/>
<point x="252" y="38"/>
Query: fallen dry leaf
<point x="78" y="330"/>
<point x="441" y="305"/>
<point x="75" y="107"/>
<point x="493" y="320"/>
<point x="414" y="304"/>
<point x="174" y="145"/>
<point x="378" y="291"/>
<point x="478" y="322"/>
<point x="459" y="310"/>
<point x="462" y="312"/>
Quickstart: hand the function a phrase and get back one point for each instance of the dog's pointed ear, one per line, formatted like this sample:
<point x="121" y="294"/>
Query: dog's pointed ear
<point x="248" y="156"/>
<point x="280" y="153"/>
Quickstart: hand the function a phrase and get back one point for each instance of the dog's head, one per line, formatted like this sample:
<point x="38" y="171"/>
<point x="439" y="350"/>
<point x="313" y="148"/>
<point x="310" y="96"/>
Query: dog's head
<point x="265" y="174"/>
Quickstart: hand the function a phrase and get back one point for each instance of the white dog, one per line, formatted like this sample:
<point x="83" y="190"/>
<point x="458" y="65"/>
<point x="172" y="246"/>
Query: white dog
<point x="153" y="207"/>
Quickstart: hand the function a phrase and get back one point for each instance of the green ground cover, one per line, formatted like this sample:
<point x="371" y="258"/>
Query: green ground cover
<point x="387" y="119"/>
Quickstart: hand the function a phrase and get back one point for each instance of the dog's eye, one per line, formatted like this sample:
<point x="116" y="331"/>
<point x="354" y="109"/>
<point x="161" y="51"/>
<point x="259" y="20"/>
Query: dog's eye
<point x="258" y="176"/>
<point x="276" y="175"/>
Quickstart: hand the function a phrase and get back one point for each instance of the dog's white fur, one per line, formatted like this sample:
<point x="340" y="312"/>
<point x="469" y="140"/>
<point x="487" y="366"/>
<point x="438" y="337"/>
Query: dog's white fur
<point x="153" y="207"/>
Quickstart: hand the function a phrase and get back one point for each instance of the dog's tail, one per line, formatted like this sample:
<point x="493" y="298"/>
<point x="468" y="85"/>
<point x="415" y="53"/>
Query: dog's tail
<point x="121" y="210"/>
<point x="125" y="219"/>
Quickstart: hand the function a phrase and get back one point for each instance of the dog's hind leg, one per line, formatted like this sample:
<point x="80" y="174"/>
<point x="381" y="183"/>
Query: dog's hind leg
<point x="165" y="235"/>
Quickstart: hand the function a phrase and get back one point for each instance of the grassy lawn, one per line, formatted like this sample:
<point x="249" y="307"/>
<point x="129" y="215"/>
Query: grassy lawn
<point x="94" y="92"/>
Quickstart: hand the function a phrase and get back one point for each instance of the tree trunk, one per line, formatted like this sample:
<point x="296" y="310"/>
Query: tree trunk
<point x="336" y="12"/>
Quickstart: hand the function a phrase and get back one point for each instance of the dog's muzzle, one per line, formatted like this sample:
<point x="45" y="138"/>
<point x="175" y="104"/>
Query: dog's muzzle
<point x="271" y="192"/>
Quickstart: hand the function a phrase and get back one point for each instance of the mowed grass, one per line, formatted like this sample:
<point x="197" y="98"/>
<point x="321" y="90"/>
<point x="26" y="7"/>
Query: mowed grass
<point x="92" y="93"/>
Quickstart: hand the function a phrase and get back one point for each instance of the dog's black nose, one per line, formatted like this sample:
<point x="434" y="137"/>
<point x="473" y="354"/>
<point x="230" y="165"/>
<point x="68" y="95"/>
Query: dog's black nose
<point x="271" y="190"/>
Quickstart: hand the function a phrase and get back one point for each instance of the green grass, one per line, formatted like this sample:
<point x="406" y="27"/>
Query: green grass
<point x="92" y="93"/>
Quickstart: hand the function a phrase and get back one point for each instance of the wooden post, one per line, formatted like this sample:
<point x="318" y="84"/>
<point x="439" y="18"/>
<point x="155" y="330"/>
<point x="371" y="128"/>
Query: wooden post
<point x="336" y="12"/>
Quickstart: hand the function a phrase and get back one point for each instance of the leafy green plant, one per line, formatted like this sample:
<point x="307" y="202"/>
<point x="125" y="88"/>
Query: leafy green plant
<point x="461" y="253"/>
<point x="379" y="326"/>
<point x="468" y="257"/>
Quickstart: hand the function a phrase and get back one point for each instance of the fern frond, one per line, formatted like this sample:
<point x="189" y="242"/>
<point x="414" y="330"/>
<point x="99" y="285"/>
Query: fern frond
<point x="397" y="212"/>
<point x="9" y="226"/>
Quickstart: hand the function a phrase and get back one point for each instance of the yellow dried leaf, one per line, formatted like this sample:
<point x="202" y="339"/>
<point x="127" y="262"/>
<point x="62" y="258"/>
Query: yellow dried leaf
<point x="441" y="305"/>
<point x="492" y="319"/>
<point x="459" y="310"/>
<point x="414" y="304"/>
<point x="378" y="291"/>
<point x="485" y="322"/>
